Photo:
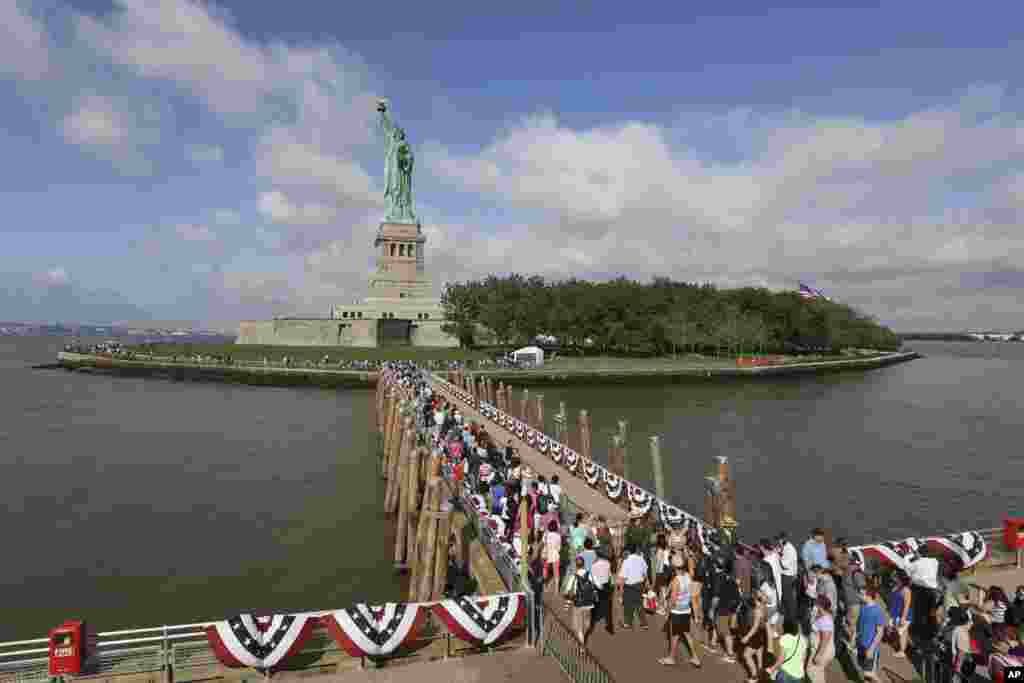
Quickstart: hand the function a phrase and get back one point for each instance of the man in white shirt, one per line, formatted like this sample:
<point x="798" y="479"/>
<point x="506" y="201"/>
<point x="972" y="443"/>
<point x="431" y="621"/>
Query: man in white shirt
<point x="788" y="562"/>
<point x="601" y="574"/>
<point x="555" y="490"/>
<point x="632" y="577"/>
<point x="771" y="556"/>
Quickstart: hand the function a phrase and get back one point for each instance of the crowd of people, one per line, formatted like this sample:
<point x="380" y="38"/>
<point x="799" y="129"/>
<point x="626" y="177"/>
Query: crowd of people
<point x="802" y="606"/>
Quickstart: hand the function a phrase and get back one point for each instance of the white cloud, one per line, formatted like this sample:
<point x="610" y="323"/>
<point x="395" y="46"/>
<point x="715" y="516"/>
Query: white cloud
<point x="190" y="232"/>
<point x="24" y="48"/>
<point x="205" y="153"/>
<point x="277" y="207"/>
<point x="284" y="159"/>
<point x="843" y="202"/>
<point x="54" y="277"/>
<point x="185" y="42"/>
<point x="95" y="122"/>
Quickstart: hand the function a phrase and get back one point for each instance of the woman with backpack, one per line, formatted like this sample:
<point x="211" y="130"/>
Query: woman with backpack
<point x="583" y="601"/>
<point x="677" y="626"/>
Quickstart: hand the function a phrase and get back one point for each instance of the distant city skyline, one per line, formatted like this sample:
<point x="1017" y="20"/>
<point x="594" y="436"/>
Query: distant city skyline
<point x="212" y="162"/>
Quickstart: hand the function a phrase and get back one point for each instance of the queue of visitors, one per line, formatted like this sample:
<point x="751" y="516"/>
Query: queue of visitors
<point x="802" y="607"/>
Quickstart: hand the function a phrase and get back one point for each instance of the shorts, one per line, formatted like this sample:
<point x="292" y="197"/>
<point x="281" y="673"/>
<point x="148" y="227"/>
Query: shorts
<point x="679" y="623"/>
<point x="662" y="580"/>
<point x="726" y="622"/>
<point x="868" y="665"/>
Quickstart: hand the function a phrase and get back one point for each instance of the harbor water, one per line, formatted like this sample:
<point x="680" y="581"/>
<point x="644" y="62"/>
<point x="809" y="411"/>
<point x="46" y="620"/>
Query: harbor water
<point x="137" y="502"/>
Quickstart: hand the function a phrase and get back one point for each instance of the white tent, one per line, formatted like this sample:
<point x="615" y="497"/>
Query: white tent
<point x="529" y="354"/>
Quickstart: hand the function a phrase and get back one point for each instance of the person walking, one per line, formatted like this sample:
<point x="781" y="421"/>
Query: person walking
<point x="728" y="604"/>
<point x="584" y="600"/>
<point x="632" y="581"/>
<point x="823" y="642"/>
<point x="789" y="666"/>
<point x="754" y="639"/>
<point x="677" y="626"/>
<point x="553" y="554"/>
<point x="870" y="626"/>
<point x="788" y="566"/>
<point x="663" y="573"/>
<point x="901" y="612"/>
<point x="600" y="574"/>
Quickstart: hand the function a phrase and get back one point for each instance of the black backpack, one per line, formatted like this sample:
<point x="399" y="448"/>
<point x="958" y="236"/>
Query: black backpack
<point x="586" y="592"/>
<point x="544" y="503"/>
<point x="761" y="573"/>
<point x="703" y="569"/>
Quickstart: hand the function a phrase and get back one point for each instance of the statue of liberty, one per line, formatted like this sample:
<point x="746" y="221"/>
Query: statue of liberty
<point x="398" y="163"/>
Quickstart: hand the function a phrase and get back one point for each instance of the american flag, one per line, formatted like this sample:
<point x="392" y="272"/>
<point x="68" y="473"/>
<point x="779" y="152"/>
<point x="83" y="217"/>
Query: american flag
<point x="809" y="293"/>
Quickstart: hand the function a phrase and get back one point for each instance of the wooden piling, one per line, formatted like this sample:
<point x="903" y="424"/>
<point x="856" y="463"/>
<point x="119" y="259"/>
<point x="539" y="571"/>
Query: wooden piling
<point x="584" y="429"/>
<point x="412" y="506"/>
<point x="539" y="418"/>
<point x="615" y="464"/>
<point x="508" y="399"/>
<point x="656" y="467"/>
<point x="403" y="501"/>
<point x="560" y="425"/>
<point x="441" y="547"/>
<point x="389" y="457"/>
<point x="727" y="505"/>
<point x="423" y="566"/>
<point x="524" y="406"/>
<point x="624" y="447"/>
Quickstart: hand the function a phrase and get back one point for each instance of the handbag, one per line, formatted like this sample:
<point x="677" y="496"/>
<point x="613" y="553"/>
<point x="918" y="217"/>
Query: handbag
<point x="650" y="601"/>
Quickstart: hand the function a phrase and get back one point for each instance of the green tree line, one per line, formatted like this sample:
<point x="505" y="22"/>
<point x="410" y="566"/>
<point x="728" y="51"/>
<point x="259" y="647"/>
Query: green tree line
<point x="627" y="317"/>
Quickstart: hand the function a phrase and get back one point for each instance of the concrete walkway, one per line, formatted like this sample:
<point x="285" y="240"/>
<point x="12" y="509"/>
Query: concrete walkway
<point x="520" y="665"/>
<point x="576" y="488"/>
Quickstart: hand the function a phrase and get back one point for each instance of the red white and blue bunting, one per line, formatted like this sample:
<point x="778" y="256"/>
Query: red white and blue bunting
<point x="556" y="453"/>
<point x="592" y="472"/>
<point x="965" y="549"/>
<point x="482" y="622"/>
<point x="260" y="643"/>
<point x="520" y="429"/>
<point x="613" y="485"/>
<point x="639" y="500"/>
<point x="572" y="460"/>
<point x="542" y="443"/>
<point x="364" y="631"/>
<point x="531" y="438"/>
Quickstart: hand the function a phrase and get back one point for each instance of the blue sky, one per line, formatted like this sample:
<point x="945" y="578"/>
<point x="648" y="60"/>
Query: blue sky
<point x="176" y="160"/>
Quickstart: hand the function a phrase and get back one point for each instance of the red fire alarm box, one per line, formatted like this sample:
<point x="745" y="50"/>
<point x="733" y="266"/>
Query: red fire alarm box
<point x="69" y="646"/>
<point x="1013" y="532"/>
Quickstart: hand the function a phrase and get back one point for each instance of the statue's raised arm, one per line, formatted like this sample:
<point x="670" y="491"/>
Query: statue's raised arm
<point x="398" y="164"/>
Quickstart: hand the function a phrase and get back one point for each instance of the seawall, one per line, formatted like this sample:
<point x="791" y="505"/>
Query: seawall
<point x="257" y="374"/>
<point x="277" y="375"/>
<point x="684" y="374"/>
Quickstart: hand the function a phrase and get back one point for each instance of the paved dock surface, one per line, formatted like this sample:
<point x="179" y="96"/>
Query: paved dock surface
<point x="521" y="666"/>
<point x="576" y="488"/>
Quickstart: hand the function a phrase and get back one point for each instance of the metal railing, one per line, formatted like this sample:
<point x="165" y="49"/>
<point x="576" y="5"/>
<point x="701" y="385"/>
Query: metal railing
<point x="573" y="657"/>
<point x="185" y="647"/>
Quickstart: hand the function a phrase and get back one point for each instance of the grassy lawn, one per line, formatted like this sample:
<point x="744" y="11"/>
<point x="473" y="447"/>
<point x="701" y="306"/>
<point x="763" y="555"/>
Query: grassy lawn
<point x="312" y="353"/>
<point x="611" y="363"/>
